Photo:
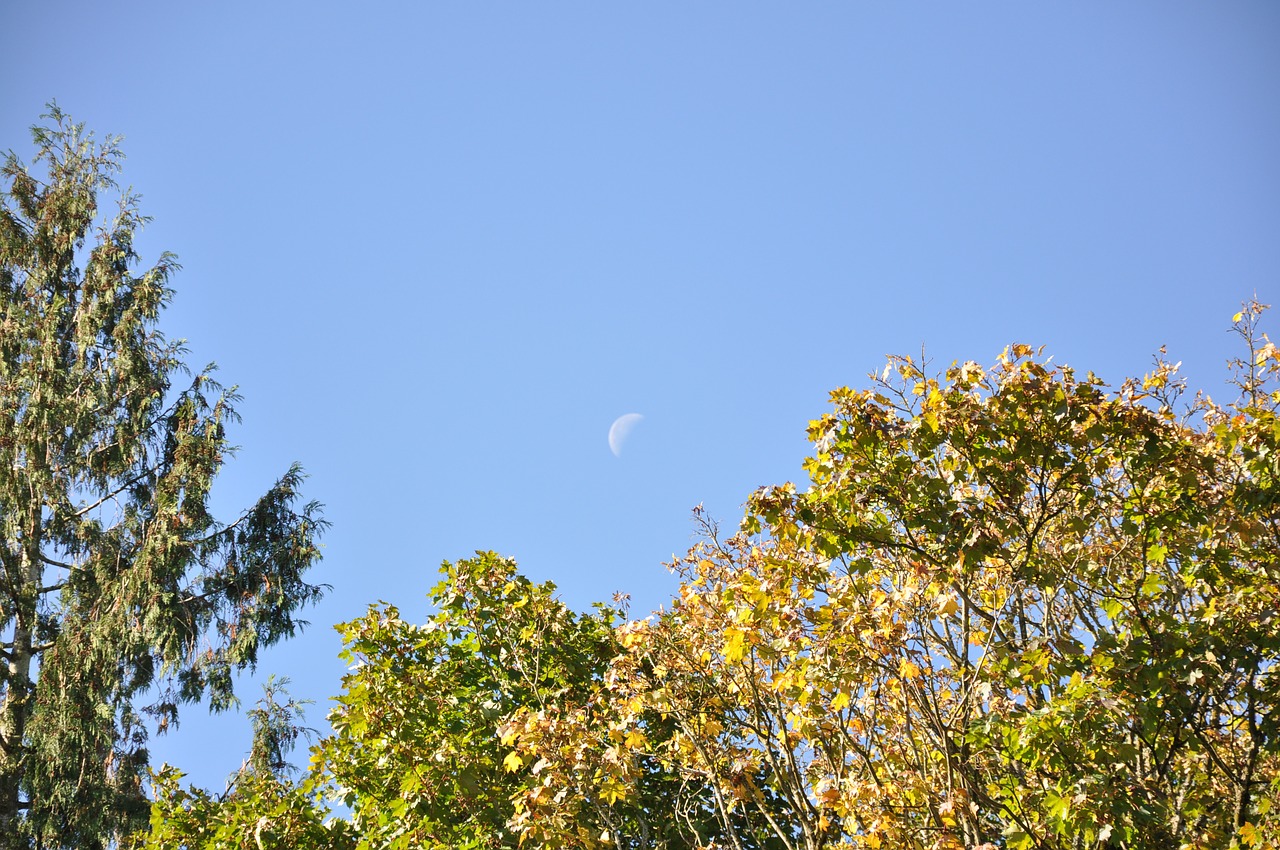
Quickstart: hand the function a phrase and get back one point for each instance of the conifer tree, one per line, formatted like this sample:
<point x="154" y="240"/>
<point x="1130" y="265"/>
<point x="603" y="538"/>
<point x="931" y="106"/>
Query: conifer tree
<point x="121" y="596"/>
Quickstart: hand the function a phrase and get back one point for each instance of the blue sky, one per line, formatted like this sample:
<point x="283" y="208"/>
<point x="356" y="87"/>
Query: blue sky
<point x="442" y="246"/>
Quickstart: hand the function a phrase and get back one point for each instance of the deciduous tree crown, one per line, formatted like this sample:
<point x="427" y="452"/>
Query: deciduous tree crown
<point x="1014" y="608"/>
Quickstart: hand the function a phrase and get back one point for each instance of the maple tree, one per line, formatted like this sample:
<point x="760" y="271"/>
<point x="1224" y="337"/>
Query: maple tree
<point x="422" y="744"/>
<point x="421" y="750"/>
<point x="415" y="750"/>
<point x="1013" y="609"/>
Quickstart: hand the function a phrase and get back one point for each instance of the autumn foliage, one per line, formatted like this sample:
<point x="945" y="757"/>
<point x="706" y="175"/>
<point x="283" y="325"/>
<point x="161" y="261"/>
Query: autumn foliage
<point x="1013" y="607"/>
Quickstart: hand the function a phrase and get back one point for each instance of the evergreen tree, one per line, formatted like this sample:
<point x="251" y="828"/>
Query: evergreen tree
<point x="121" y="597"/>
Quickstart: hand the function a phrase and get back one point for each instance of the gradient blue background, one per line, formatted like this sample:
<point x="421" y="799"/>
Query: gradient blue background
<point x="441" y="246"/>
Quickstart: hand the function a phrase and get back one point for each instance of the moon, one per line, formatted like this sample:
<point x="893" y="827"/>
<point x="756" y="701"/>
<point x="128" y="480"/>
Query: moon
<point x="619" y="430"/>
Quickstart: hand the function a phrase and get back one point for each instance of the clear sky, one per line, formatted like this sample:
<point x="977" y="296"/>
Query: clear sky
<point x="442" y="246"/>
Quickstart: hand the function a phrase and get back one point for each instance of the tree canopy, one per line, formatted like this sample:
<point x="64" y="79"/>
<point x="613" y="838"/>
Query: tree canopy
<point x="121" y="596"/>
<point x="1013" y="607"/>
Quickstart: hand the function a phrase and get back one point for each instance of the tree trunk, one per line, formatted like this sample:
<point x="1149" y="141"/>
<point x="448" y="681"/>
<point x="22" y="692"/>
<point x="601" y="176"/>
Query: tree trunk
<point x="15" y="707"/>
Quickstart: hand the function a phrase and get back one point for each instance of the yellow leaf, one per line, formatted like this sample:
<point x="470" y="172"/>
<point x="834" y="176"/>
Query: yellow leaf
<point x="734" y="645"/>
<point x="1237" y="317"/>
<point x="908" y="669"/>
<point x="946" y="604"/>
<point x="512" y="762"/>
<point x="841" y="701"/>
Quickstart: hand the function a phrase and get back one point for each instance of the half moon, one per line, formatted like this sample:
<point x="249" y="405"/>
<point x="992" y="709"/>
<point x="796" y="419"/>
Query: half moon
<point x="619" y="430"/>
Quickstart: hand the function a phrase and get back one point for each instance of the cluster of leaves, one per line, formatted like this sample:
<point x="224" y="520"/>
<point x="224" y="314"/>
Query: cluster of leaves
<point x="415" y="751"/>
